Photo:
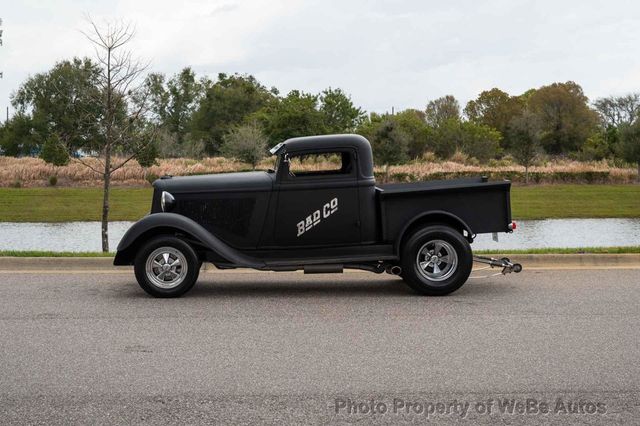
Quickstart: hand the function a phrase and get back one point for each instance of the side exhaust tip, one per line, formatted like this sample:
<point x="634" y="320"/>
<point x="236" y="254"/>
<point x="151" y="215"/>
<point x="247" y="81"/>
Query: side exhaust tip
<point x="394" y="270"/>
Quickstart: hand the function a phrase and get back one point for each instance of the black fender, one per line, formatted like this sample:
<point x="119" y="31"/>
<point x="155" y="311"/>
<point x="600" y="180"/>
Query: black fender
<point x="434" y="216"/>
<point x="173" y="221"/>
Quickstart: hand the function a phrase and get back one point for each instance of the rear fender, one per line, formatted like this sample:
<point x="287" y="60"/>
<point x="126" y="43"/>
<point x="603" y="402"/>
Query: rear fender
<point x="163" y="222"/>
<point x="432" y="217"/>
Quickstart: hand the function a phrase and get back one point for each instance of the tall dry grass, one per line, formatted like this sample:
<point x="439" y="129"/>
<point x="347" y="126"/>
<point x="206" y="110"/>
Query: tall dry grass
<point x="33" y="172"/>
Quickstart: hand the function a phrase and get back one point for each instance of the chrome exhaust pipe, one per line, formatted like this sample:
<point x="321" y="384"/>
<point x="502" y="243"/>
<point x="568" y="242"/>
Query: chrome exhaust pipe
<point x="393" y="270"/>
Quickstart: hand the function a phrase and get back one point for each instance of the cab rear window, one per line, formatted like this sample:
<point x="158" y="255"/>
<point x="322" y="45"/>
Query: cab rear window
<point x="320" y="164"/>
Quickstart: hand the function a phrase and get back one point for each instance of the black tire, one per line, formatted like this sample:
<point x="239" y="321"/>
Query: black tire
<point x="173" y="282"/>
<point x="438" y="277"/>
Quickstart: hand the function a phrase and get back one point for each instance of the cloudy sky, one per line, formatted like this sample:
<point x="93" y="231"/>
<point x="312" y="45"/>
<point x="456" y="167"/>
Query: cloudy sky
<point x="384" y="53"/>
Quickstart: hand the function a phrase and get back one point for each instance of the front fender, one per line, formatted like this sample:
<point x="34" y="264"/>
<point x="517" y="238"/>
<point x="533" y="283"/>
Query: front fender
<point x="163" y="221"/>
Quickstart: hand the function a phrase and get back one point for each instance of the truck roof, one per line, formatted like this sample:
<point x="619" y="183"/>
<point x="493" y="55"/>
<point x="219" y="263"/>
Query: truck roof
<point x="357" y="142"/>
<point x="327" y="141"/>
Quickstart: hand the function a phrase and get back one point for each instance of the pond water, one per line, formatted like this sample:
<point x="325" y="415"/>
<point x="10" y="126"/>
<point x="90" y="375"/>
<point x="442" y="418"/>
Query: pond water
<point x="85" y="236"/>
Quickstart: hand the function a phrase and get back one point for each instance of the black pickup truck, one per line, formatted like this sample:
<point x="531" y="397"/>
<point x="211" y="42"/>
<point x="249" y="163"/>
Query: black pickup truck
<point x="319" y="210"/>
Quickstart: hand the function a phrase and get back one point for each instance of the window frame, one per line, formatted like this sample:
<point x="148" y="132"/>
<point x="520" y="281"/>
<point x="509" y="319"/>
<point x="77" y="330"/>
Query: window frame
<point x="285" y="177"/>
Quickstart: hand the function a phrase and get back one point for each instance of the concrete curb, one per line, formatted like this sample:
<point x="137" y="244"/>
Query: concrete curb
<point x="528" y="261"/>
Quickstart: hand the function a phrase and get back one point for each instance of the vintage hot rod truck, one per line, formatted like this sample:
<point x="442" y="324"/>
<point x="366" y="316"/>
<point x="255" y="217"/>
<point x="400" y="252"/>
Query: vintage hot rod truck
<point x="318" y="218"/>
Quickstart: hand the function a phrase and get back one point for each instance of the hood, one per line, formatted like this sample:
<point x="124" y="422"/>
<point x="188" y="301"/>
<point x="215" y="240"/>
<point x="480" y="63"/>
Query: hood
<point x="223" y="182"/>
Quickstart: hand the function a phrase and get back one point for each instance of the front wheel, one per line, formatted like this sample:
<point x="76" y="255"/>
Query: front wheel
<point x="436" y="260"/>
<point x="166" y="266"/>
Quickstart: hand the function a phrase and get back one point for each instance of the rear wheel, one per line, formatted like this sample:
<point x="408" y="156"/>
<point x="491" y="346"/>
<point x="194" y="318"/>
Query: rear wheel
<point x="436" y="260"/>
<point x="166" y="266"/>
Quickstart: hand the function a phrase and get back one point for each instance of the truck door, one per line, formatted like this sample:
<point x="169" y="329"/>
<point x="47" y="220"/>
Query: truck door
<point x="318" y="199"/>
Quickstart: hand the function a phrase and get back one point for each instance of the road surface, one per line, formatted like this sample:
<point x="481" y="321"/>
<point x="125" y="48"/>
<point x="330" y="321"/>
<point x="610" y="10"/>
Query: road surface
<point x="285" y="347"/>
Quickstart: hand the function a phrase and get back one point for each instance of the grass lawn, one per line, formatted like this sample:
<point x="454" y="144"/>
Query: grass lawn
<point x="71" y="204"/>
<point x="575" y="201"/>
<point x="527" y="202"/>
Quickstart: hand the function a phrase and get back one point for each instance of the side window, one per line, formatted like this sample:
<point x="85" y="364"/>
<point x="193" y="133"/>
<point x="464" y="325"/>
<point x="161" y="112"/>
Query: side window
<point x="321" y="164"/>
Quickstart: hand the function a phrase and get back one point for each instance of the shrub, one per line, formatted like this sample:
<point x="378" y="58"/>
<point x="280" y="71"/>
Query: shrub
<point x="459" y="157"/>
<point x="430" y="157"/>
<point x="16" y="183"/>
<point x="246" y="143"/>
<point x="54" y="152"/>
<point x="53" y="180"/>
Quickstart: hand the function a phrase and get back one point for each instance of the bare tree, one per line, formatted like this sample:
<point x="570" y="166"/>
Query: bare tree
<point x="617" y="110"/>
<point x="123" y="102"/>
<point x="525" y="132"/>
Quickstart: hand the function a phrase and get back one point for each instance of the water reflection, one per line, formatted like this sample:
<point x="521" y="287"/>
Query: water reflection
<point x="85" y="236"/>
<point x="566" y="233"/>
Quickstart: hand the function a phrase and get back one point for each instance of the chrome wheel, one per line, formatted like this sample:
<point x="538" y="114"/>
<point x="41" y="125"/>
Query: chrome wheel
<point x="166" y="267"/>
<point x="437" y="260"/>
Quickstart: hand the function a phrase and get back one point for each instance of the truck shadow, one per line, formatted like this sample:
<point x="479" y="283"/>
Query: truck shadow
<point x="246" y="287"/>
<point x="319" y="288"/>
<point x="296" y="288"/>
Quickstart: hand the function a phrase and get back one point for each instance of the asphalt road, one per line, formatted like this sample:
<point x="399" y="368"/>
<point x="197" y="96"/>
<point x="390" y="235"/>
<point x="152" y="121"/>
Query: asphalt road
<point x="249" y="347"/>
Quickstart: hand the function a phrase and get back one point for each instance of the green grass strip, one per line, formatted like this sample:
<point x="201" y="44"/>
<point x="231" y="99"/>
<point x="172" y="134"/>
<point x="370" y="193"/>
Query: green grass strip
<point x="527" y="202"/>
<point x="575" y="201"/>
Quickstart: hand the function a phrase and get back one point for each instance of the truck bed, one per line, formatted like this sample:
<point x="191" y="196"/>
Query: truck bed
<point x="434" y="185"/>
<point x="483" y="206"/>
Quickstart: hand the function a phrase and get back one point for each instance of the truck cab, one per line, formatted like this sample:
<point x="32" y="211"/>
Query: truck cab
<point x="319" y="210"/>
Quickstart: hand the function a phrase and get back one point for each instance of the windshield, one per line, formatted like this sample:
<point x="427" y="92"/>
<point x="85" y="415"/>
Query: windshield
<point x="276" y="164"/>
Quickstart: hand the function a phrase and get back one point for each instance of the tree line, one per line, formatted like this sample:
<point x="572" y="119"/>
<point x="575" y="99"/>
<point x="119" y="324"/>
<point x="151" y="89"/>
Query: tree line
<point x="237" y="116"/>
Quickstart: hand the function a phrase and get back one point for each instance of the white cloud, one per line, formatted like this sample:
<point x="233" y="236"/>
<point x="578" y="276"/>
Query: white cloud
<point x="385" y="53"/>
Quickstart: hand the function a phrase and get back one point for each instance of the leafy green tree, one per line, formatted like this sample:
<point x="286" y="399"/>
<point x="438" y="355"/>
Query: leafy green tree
<point x="441" y="110"/>
<point x="296" y="114"/>
<point x="339" y="113"/>
<point x="447" y="138"/>
<point x="18" y="137"/>
<point x="566" y="119"/>
<point x="525" y="131"/>
<point x="175" y="101"/>
<point x="476" y="140"/>
<point x="370" y="124"/>
<point x="480" y="141"/>
<point x="147" y="154"/>
<point x="390" y="145"/>
<point x="54" y="151"/>
<point x="629" y="148"/>
<point x="63" y="101"/>
<point x="227" y="103"/>
<point x="246" y="143"/>
<point x="495" y="108"/>
<point x="167" y="148"/>
<point x="596" y="147"/>
<point x="418" y="135"/>
<point x="412" y="123"/>
<point x="612" y="138"/>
